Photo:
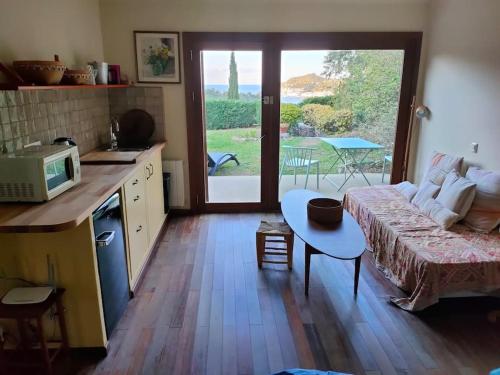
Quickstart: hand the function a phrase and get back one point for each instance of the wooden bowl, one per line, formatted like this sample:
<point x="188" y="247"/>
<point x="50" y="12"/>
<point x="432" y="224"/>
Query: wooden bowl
<point x="40" y="72"/>
<point x="76" y="77"/>
<point x="325" y="211"/>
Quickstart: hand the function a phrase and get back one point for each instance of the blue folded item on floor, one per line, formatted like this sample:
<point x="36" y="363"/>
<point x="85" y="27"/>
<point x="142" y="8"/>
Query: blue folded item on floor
<point x="298" y="371"/>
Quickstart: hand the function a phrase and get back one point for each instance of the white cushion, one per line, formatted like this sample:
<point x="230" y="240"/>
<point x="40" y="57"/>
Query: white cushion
<point x="436" y="175"/>
<point x="484" y="214"/>
<point x="407" y="189"/>
<point x="440" y="165"/>
<point x="441" y="215"/>
<point x="426" y="191"/>
<point x="457" y="193"/>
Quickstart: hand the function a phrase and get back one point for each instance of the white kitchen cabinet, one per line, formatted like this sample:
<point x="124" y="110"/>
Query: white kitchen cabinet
<point x="144" y="213"/>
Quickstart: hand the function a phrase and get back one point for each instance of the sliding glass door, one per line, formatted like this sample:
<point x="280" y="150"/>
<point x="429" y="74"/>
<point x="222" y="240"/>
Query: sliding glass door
<point x="271" y="112"/>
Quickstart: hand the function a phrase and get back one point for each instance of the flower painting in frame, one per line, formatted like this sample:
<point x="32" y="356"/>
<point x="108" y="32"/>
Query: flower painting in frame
<point x="157" y="55"/>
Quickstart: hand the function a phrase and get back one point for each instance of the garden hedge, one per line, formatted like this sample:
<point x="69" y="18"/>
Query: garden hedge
<point x="229" y="114"/>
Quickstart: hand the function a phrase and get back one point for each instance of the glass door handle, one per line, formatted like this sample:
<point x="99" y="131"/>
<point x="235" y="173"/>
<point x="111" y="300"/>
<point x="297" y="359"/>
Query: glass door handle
<point x="262" y="137"/>
<point x="267" y="100"/>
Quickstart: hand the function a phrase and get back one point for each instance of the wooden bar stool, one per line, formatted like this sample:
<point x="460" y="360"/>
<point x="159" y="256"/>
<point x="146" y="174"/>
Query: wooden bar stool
<point x="274" y="232"/>
<point x="35" y="311"/>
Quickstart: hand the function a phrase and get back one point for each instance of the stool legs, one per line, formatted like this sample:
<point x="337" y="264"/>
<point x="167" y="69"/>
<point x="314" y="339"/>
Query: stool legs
<point x="43" y="345"/>
<point x="62" y="324"/>
<point x="260" y="241"/>
<point x="289" y="246"/>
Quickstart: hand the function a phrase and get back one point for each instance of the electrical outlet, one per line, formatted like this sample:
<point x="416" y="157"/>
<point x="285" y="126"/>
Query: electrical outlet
<point x="474" y="147"/>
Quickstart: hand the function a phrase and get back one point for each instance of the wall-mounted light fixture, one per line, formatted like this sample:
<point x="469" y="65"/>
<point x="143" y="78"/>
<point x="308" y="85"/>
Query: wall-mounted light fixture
<point x="422" y="112"/>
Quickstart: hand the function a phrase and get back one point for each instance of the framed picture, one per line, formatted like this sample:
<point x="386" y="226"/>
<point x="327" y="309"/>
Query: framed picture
<point x="157" y="56"/>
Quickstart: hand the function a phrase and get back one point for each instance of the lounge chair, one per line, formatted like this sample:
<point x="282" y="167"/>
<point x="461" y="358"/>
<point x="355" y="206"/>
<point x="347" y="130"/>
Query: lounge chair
<point x="217" y="159"/>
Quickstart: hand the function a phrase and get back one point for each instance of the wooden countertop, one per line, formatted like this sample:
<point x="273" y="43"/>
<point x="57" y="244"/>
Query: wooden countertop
<point x="72" y="207"/>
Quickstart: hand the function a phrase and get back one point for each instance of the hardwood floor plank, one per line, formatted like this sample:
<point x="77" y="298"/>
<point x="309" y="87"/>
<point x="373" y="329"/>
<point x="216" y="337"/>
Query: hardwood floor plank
<point x="243" y="335"/>
<point x="271" y="332"/>
<point x="260" y="357"/>
<point x="215" y="333"/>
<point x="186" y="335"/>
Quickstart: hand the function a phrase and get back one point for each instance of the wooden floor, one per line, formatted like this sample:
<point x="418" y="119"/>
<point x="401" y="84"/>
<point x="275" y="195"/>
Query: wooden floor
<point x="205" y="308"/>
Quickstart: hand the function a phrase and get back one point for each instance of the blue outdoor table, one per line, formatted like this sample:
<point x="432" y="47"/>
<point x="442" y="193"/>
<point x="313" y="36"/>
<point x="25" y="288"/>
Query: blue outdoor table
<point x="347" y="150"/>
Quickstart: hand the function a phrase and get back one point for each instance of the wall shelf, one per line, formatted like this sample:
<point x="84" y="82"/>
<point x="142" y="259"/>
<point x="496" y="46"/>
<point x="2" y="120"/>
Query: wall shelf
<point x="70" y="87"/>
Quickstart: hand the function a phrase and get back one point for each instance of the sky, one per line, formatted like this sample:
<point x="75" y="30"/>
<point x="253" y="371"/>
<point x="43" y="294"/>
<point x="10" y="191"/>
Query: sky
<point x="293" y="64"/>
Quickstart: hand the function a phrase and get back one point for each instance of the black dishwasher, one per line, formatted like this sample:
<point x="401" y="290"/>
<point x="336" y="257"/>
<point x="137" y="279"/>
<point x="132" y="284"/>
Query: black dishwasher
<point x="111" y="260"/>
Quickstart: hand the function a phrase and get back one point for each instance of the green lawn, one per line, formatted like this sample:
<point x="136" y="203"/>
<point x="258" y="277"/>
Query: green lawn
<point x="245" y="142"/>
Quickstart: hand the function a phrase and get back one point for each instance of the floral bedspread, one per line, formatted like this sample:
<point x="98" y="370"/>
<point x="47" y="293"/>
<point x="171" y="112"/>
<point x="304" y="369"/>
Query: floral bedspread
<point x="417" y="255"/>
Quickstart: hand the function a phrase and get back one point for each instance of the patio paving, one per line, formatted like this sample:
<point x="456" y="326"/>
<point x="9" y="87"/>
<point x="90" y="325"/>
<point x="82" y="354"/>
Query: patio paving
<point x="229" y="189"/>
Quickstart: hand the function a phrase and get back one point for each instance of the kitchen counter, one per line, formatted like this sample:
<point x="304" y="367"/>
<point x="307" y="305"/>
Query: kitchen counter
<point x="72" y="207"/>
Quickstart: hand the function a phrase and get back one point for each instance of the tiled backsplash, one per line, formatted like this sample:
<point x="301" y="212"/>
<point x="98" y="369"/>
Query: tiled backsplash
<point x="149" y="99"/>
<point x="83" y="114"/>
<point x="43" y="115"/>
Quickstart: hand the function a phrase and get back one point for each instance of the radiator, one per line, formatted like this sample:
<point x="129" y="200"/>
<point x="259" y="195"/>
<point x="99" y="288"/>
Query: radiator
<point x="176" y="170"/>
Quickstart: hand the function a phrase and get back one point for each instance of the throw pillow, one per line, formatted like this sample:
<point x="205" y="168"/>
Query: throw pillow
<point x="407" y="189"/>
<point x="457" y="193"/>
<point x="441" y="215"/>
<point x="484" y="214"/>
<point x="440" y="165"/>
<point x="426" y="191"/>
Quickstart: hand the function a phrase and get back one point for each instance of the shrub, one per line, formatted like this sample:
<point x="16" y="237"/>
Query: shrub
<point x="324" y="100"/>
<point x="290" y="114"/>
<point x="325" y="119"/>
<point x="229" y="114"/>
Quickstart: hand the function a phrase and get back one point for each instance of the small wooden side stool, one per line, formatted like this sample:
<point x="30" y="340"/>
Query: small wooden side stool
<point x="35" y="311"/>
<point x="274" y="232"/>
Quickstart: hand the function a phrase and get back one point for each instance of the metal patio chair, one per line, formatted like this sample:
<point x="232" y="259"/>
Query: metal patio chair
<point x="299" y="157"/>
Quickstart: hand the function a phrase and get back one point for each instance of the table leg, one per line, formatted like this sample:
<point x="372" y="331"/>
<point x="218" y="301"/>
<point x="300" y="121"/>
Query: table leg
<point x="309" y="250"/>
<point x="357" y="266"/>
<point x="308" y="267"/>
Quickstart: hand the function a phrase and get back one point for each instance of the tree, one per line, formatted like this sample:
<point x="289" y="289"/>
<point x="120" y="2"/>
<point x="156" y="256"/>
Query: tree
<point x="233" y="92"/>
<point x="371" y="82"/>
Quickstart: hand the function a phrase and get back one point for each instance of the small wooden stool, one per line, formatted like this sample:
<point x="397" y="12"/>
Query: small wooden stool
<point x="35" y="311"/>
<point x="274" y="229"/>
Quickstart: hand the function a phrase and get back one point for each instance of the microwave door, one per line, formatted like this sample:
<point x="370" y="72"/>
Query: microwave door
<point x="58" y="174"/>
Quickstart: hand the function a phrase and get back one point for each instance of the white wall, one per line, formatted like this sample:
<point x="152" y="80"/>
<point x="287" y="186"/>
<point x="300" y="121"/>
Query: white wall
<point x="121" y="18"/>
<point x="462" y="83"/>
<point x="36" y="30"/>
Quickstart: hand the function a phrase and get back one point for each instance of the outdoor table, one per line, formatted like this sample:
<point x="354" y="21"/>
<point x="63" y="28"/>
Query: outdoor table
<point x="346" y="150"/>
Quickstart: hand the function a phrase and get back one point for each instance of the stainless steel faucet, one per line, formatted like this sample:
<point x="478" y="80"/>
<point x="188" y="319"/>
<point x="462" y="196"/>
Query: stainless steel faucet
<point x="114" y="130"/>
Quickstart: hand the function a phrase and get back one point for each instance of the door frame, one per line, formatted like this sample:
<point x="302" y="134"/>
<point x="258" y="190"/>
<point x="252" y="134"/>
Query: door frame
<point x="272" y="44"/>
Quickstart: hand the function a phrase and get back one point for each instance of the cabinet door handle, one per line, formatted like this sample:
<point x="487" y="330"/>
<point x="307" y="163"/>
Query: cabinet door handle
<point x="139" y="228"/>
<point x="136" y="181"/>
<point x="136" y="198"/>
<point x="152" y="169"/>
<point x="148" y="172"/>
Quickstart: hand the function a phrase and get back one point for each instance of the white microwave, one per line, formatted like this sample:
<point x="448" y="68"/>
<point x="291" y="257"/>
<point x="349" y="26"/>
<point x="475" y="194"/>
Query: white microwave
<point x="38" y="173"/>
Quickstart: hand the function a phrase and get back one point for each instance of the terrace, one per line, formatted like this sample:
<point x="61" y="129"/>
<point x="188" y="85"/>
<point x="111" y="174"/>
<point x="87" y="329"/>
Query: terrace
<point x="241" y="183"/>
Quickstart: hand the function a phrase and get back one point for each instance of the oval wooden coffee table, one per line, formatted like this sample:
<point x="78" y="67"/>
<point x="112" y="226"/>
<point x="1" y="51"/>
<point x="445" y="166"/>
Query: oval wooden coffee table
<point x="344" y="241"/>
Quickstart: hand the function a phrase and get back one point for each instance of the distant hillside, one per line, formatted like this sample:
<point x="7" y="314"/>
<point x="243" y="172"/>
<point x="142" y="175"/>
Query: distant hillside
<point x="308" y="85"/>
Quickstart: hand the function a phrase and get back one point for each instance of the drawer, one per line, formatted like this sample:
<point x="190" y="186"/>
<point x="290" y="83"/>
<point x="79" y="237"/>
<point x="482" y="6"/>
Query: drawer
<point x="138" y="246"/>
<point x="135" y="186"/>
